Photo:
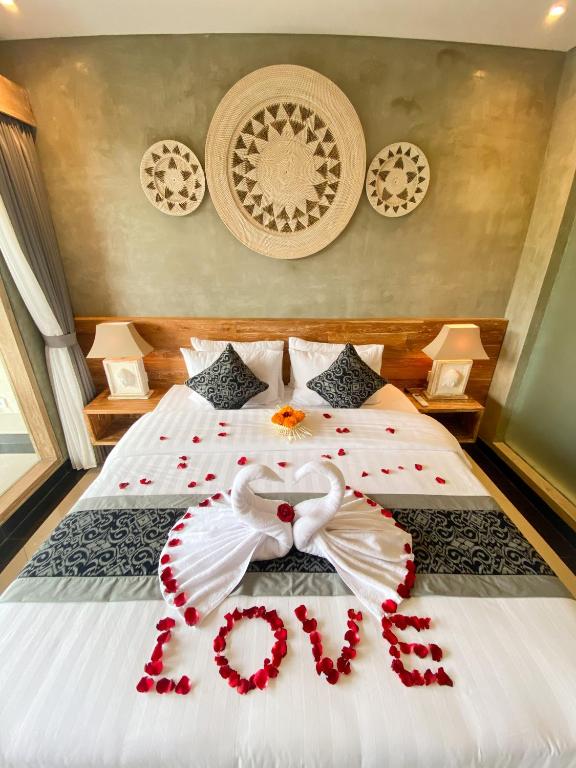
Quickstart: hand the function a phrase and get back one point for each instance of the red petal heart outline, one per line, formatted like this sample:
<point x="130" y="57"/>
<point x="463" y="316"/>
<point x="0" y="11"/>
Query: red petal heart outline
<point x="260" y="679"/>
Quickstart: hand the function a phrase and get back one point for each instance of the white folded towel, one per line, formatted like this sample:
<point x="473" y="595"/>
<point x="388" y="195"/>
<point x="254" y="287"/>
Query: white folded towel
<point x="367" y="549"/>
<point x="216" y="544"/>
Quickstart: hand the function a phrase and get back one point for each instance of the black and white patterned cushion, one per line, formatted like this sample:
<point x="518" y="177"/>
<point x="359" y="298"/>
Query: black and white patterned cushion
<point x="348" y="382"/>
<point x="228" y="383"/>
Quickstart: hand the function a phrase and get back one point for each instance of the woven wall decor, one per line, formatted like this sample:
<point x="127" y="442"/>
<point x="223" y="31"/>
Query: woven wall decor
<point x="285" y="160"/>
<point x="397" y="179"/>
<point x="172" y="178"/>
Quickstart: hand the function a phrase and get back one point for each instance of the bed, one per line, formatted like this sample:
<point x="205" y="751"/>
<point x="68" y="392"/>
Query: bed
<point x="78" y="625"/>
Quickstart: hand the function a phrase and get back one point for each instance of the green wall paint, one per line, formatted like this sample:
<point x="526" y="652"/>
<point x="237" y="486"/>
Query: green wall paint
<point x="482" y="114"/>
<point x="542" y="419"/>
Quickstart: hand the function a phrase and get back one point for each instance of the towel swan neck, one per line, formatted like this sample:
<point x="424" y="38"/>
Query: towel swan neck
<point x="315" y="514"/>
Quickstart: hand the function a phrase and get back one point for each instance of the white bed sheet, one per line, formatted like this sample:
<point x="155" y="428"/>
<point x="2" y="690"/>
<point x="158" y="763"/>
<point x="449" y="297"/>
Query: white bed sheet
<point x="67" y="681"/>
<point x="69" y="671"/>
<point x="368" y="448"/>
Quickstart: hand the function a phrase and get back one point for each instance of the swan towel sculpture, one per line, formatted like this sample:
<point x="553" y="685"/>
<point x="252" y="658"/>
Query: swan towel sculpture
<point x="210" y="548"/>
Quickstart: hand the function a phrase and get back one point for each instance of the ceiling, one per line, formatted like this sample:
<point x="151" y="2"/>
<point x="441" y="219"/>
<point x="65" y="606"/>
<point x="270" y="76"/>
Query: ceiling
<point x="518" y="23"/>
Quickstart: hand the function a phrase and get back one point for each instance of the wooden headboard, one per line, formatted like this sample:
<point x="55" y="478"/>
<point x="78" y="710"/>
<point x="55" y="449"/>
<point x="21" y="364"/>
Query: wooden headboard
<point x="403" y="363"/>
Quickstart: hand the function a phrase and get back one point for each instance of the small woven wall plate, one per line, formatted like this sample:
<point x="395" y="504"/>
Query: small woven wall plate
<point x="172" y="178"/>
<point x="397" y="179"/>
<point x="285" y="160"/>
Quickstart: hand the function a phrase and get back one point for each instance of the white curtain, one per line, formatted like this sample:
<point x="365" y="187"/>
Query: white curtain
<point x="62" y="375"/>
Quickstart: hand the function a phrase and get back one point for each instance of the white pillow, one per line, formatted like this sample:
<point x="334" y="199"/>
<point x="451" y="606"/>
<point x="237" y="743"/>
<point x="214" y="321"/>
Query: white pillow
<point x="266" y="364"/>
<point x="209" y="345"/>
<point x="307" y="365"/>
<point x="319" y="346"/>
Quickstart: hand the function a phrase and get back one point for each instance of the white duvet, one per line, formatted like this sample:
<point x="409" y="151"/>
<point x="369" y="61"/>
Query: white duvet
<point x="69" y="670"/>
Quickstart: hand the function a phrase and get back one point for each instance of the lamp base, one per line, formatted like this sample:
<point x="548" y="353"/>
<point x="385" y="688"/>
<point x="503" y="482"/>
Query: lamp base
<point x="127" y="379"/>
<point x="447" y="380"/>
<point x="147" y="396"/>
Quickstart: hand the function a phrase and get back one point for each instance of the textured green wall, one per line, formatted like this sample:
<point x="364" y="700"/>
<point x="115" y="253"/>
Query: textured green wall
<point x="542" y="418"/>
<point x="482" y="114"/>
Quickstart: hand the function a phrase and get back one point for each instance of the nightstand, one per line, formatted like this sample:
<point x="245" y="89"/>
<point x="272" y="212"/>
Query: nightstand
<point x="460" y="417"/>
<point x="108" y="420"/>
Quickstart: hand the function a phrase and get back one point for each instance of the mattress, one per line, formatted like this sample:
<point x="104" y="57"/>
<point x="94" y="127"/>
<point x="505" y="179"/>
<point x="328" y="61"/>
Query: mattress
<point x="78" y="625"/>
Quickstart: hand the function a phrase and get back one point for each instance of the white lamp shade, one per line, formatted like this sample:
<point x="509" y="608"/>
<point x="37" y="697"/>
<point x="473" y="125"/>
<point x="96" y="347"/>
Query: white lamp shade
<point x="118" y="340"/>
<point x="457" y="341"/>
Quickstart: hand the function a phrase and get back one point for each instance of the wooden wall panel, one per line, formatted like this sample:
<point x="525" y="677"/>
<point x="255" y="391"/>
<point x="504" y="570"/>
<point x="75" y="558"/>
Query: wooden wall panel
<point x="403" y="363"/>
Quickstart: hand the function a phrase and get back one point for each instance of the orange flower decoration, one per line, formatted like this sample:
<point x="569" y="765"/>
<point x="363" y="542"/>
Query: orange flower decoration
<point x="288" y="417"/>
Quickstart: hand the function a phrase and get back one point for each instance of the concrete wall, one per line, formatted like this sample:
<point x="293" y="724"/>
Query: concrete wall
<point x="550" y="225"/>
<point x="482" y="114"/>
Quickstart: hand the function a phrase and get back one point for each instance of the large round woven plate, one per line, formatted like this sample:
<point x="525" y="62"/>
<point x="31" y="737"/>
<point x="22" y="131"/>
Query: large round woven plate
<point x="172" y="178"/>
<point x="285" y="160"/>
<point x="397" y="179"/>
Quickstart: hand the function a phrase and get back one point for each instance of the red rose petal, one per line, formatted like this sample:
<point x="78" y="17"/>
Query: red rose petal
<point x="343" y="666"/>
<point x="154" y="667"/>
<point x="165" y="685"/>
<point x="359" y="494"/>
<point x="386" y="513"/>
<point x="164" y="637"/>
<point x="371" y="502"/>
<point x="222" y="434"/>
<point x="170" y="586"/>
<point x="285" y="513"/>
<point x="407" y="548"/>
<point x="341" y="452"/>
<point x="219" y="644"/>
<point x="327" y="415"/>
<point x="165" y="624"/>
<point x="242" y="460"/>
<point x="403" y="591"/>
<point x="309" y="625"/>
<point x="183" y="685"/>
<point x="390" y="606"/>
<point x="191" y="616"/>
<point x="390" y="430"/>
<point x="157" y="653"/>
<point x="192" y="484"/>
<point x="182" y="465"/>
<point x="301" y="612"/>
<point x="348" y="653"/>
<point x="352" y="637"/>
<point x="325" y="456"/>
<point x="195" y="439"/>
<point x="442" y="678"/>
<point x="205" y="503"/>
<point x="179" y="527"/>
<point x="174" y="542"/>
<point x="333" y="676"/>
<point x="400" y="466"/>
<point x="385" y="471"/>
<point x="418" y="467"/>
<point x="435" y="652"/>
<point x="165" y="559"/>
<point x="440" y="480"/>
<point x="145" y="684"/>
<point x="364" y="473"/>
<point x="222" y="424"/>
<point x="163" y="437"/>
<point x="261" y="679"/>
<point x="123" y="485"/>
<point x="326" y="665"/>
<point x="210" y="476"/>
<point x="180" y="599"/>
<point x="145" y="481"/>
<point x="282" y="464"/>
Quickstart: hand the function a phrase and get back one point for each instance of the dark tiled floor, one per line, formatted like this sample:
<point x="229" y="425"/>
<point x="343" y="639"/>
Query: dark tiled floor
<point x="549" y="525"/>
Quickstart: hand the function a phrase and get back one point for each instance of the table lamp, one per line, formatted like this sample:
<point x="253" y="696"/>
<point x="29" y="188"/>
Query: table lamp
<point x="453" y="351"/>
<point x="122" y="348"/>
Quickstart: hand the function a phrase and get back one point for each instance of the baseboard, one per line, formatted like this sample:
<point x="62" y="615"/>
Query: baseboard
<point x="31" y="514"/>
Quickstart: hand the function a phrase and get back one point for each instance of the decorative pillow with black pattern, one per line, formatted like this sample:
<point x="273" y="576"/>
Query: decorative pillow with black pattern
<point x="228" y="383"/>
<point x="348" y="382"/>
